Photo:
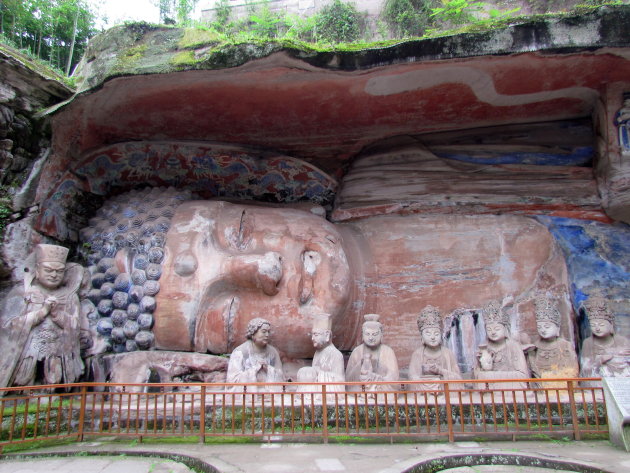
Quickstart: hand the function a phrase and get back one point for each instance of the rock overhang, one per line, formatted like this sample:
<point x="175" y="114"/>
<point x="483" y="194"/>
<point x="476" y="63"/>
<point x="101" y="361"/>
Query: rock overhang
<point x="325" y="106"/>
<point x="150" y="84"/>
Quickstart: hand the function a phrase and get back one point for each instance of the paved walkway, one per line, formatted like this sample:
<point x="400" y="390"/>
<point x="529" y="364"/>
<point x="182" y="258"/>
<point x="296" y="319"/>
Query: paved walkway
<point x="586" y="456"/>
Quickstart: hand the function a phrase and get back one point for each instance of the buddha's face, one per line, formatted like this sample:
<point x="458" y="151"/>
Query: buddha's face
<point x="547" y="329"/>
<point x="601" y="328"/>
<point x="49" y="274"/>
<point x="496" y="332"/>
<point x="228" y="263"/>
<point x="372" y="335"/>
<point x="431" y="337"/>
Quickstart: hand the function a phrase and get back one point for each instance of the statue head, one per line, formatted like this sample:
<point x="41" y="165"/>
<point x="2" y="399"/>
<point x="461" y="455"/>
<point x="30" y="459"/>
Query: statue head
<point x="430" y="326"/>
<point x="321" y="334"/>
<point x="496" y="322"/>
<point x="259" y="331"/>
<point x="547" y="318"/>
<point x="50" y="265"/>
<point x="600" y="317"/>
<point x="278" y="263"/>
<point x="372" y="331"/>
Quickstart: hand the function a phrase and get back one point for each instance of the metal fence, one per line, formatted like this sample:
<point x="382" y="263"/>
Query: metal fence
<point x="446" y="410"/>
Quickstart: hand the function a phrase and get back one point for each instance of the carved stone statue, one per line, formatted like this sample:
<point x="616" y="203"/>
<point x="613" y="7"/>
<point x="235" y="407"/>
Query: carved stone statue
<point x="327" y="360"/>
<point x="551" y="356"/>
<point x="622" y="120"/>
<point x="432" y="360"/>
<point x="502" y="357"/>
<point x="255" y="361"/>
<point x="327" y="363"/>
<point x="372" y="360"/>
<point x="46" y="336"/>
<point x="604" y="353"/>
<point x="210" y="266"/>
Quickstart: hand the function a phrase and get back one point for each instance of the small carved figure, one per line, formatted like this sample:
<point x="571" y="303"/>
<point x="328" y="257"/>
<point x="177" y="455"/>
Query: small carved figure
<point x="327" y="360"/>
<point x="502" y="357"/>
<point x="622" y="120"/>
<point x="551" y="356"/>
<point x="255" y="361"/>
<point x="603" y="353"/>
<point x="372" y="360"/>
<point x="432" y="360"/>
<point x="46" y="337"/>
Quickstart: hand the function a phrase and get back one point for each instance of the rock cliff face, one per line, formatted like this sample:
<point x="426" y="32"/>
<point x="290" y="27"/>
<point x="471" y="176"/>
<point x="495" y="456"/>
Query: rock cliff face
<point x="480" y="133"/>
<point x="26" y="89"/>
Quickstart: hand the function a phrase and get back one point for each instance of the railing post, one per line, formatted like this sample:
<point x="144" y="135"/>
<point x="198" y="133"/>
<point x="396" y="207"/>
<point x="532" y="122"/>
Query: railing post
<point x="574" y="417"/>
<point x="324" y="414"/>
<point x="202" y="415"/>
<point x="82" y="413"/>
<point x="449" y="413"/>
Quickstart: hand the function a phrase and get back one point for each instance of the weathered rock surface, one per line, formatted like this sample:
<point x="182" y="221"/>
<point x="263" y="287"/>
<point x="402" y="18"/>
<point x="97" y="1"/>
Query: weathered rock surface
<point x="165" y="367"/>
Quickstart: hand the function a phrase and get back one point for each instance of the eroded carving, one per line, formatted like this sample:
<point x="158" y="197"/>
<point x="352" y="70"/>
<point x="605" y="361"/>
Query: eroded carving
<point x="255" y="361"/>
<point x="502" y="357"/>
<point x="372" y="360"/>
<point x="551" y="355"/>
<point x="46" y="334"/>
<point x="432" y="360"/>
<point x="604" y="353"/>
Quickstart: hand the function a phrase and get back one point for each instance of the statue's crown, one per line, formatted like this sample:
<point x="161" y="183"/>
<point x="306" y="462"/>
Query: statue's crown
<point x="546" y="310"/>
<point x="492" y="313"/>
<point x="429" y="317"/>
<point x="322" y="322"/>
<point x="51" y="253"/>
<point x="596" y="307"/>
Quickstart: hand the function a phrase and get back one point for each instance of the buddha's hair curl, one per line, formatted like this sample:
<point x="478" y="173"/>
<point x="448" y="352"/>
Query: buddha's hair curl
<point x="120" y="225"/>
<point x="254" y="325"/>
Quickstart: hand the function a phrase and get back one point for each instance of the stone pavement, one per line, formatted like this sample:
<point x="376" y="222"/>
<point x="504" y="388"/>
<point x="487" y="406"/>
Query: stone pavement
<point x="584" y="456"/>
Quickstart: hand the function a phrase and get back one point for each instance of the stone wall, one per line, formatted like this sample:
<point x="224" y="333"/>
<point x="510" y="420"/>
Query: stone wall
<point x="26" y="89"/>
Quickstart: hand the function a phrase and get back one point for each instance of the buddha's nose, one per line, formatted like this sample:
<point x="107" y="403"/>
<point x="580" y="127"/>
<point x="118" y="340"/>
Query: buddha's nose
<point x="262" y="272"/>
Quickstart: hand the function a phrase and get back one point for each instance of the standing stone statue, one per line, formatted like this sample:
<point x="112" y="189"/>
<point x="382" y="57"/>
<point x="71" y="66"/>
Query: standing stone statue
<point x="502" y="357"/>
<point x="603" y="353"/>
<point x="372" y="360"/>
<point x="255" y="361"/>
<point x="432" y="360"/>
<point x="46" y="336"/>
<point x="552" y="356"/>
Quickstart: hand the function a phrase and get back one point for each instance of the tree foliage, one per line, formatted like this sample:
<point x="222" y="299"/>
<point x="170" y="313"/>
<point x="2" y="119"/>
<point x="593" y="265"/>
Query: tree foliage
<point x="407" y="17"/>
<point x="339" y="22"/>
<point x="54" y="30"/>
<point x="176" y="11"/>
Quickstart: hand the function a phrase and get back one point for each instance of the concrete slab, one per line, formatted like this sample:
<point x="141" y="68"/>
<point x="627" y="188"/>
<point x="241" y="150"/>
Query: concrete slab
<point x="583" y="456"/>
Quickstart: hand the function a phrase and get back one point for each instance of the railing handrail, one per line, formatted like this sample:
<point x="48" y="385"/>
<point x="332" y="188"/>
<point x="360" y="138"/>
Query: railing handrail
<point x="296" y="383"/>
<point x="442" y="408"/>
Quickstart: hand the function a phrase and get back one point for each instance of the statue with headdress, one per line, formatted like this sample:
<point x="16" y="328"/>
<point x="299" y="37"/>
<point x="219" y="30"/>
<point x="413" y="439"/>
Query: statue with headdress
<point x="604" y="353"/>
<point x="47" y="331"/>
<point x="502" y="356"/>
<point x="551" y="356"/>
<point x="327" y="366"/>
<point x="432" y="360"/>
<point x="372" y="360"/>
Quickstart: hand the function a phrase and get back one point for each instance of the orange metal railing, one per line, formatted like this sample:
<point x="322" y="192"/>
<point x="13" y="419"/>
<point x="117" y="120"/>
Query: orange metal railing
<point x="432" y="410"/>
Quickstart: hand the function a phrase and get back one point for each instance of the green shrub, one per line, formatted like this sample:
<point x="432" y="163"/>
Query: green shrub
<point x="407" y="17"/>
<point x="339" y="22"/>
